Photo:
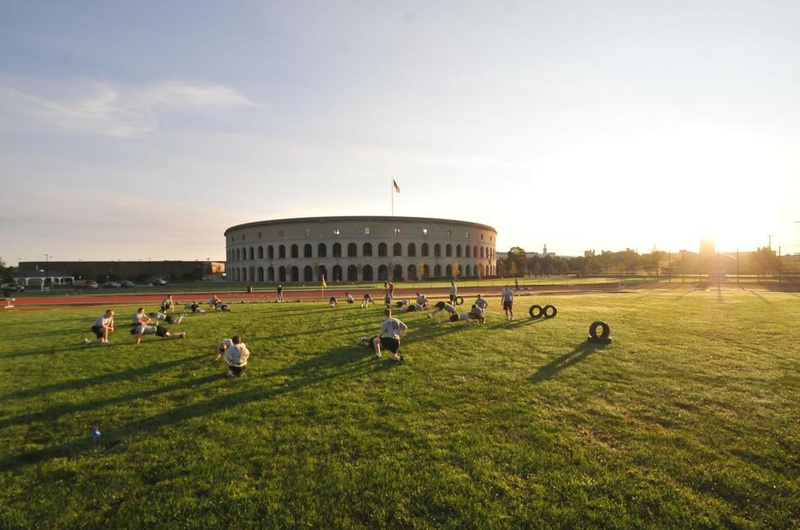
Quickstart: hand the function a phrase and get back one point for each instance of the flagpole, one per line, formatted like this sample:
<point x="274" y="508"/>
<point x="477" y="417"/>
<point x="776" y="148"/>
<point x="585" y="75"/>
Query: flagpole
<point x="391" y="190"/>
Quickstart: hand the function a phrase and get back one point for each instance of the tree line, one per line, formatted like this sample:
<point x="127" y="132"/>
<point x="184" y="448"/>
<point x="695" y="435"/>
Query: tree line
<point x="763" y="261"/>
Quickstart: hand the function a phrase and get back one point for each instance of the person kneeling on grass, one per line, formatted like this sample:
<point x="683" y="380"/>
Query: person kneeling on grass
<point x="161" y="331"/>
<point x="392" y="330"/>
<point x="103" y="325"/>
<point x="422" y="300"/>
<point x="235" y="355"/>
<point x="168" y="304"/>
<point x="223" y="345"/>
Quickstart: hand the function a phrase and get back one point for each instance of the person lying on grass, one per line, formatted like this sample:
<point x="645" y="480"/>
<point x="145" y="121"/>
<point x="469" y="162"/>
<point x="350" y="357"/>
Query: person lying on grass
<point x="169" y="319"/>
<point x="443" y="306"/>
<point x="194" y="307"/>
<point x="475" y="316"/>
<point x="160" y="331"/>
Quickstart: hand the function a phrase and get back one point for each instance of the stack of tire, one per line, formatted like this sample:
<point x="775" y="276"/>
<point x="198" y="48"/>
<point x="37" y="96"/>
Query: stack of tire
<point x="537" y="311"/>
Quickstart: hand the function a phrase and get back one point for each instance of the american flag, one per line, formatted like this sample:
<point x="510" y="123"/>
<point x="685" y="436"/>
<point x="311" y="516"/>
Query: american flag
<point x="396" y="187"/>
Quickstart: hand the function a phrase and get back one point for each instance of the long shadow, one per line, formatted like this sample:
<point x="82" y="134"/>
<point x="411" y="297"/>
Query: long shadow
<point x="342" y="328"/>
<point x="761" y="297"/>
<point x="55" y="332"/>
<point x="338" y="363"/>
<point x="581" y="352"/>
<point x="54" y="412"/>
<point x="70" y="319"/>
<point x="99" y="380"/>
<point x="40" y="351"/>
<point x="516" y="323"/>
<point x="432" y="330"/>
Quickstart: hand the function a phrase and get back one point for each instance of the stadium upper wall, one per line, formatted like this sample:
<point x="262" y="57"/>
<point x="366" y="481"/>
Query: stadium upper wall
<point x="359" y="248"/>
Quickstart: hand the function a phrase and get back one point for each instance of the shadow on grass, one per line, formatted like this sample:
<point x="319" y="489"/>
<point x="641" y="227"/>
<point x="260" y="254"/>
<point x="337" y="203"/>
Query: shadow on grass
<point x="55" y="332"/>
<point x="341" y="362"/>
<point x="581" y="352"/>
<point x="100" y="380"/>
<point x="41" y="351"/>
<point x="518" y="322"/>
<point x="758" y="295"/>
<point x="53" y="413"/>
<point x="68" y="319"/>
<point x="352" y="328"/>
<point x="426" y="330"/>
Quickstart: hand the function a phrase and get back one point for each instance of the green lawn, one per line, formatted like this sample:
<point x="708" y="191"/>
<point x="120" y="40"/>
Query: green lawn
<point x="688" y="419"/>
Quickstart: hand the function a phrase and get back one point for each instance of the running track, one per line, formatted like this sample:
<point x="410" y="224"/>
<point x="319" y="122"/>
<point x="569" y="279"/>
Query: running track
<point x="116" y="297"/>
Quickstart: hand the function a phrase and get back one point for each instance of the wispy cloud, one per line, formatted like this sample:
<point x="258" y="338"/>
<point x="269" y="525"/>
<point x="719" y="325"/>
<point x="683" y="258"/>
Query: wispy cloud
<point x="177" y="94"/>
<point x="100" y="108"/>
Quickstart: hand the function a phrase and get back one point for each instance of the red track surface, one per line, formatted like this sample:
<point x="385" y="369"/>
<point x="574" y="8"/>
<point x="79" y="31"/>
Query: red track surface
<point x="117" y="297"/>
<point x="24" y="301"/>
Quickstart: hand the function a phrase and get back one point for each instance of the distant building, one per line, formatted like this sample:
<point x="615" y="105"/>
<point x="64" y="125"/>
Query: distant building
<point x="359" y="248"/>
<point x="66" y="272"/>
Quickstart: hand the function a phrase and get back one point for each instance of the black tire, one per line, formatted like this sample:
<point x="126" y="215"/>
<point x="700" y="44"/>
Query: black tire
<point x="536" y="311"/>
<point x="459" y="300"/>
<point x="601" y="325"/>
<point x="550" y="311"/>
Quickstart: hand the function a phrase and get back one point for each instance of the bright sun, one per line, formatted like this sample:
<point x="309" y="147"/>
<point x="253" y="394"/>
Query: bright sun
<point x="682" y="186"/>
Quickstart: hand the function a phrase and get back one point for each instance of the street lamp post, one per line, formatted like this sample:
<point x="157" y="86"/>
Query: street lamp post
<point x="46" y="269"/>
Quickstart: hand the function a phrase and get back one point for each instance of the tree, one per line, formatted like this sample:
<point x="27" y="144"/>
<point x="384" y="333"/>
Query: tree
<point x="5" y="272"/>
<point x="652" y="262"/>
<point x="535" y="265"/>
<point x="766" y="261"/>
<point x="517" y="261"/>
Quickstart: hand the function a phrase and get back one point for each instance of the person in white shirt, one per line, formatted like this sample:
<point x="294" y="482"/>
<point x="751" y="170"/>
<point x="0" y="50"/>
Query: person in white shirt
<point x="236" y="356"/>
<point x="103" y="325"/>
<point x="161" y="331"/>
<point x="482" y="303"/>
<point x="453" y="292"/>
<point x="507" y="297"/>
<point x="392" y="330"/>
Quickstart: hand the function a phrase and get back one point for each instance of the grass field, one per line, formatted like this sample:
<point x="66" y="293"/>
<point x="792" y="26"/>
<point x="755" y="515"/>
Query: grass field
<point x="690" y="418"/>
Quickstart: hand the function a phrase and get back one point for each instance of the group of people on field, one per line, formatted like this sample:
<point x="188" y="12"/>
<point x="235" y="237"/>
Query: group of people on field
<point x="232" y="351"/>
<point x="235" y="354"/>
<point x="393" y="330"/>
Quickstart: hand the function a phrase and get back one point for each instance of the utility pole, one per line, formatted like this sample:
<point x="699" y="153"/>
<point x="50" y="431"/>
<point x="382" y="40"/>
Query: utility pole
<point x="46" y="269"/>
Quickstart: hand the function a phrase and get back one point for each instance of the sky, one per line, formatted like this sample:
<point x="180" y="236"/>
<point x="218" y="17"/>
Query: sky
<point x="143" y="130"/>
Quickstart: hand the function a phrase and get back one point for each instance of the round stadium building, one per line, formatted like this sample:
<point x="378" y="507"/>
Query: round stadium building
<point x="355" y="249"/>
